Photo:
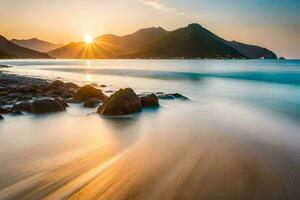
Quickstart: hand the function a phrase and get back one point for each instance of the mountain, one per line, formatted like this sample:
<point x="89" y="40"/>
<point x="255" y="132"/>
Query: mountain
<point x="19" y="52"/>
<point x="110" y="46"/>
<point x="36" y="44"/>
<point x="252" y="51"/>
<point x="192" y="41"/>
<point x="4" y="55"/>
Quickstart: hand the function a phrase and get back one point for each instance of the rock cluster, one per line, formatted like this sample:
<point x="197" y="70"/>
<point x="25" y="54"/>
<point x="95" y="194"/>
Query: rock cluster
<point x="20" y="95"/>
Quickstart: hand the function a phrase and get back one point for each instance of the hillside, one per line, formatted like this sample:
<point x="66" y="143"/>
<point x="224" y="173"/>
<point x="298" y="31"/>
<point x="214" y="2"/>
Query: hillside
<point x="110" y="46"/>
<point x="36" y="44"/>
<point x="252" y="51"/>
<point x="4" y="55"/>
<point x="19" y="52"/>
<point x="192" y="41"/>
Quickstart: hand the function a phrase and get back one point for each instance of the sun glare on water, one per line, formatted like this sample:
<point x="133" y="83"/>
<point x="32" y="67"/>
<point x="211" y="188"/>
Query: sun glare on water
<point x="88" y="39"/>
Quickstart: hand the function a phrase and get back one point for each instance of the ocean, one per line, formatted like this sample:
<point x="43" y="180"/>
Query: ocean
<point x="238" y="137"/>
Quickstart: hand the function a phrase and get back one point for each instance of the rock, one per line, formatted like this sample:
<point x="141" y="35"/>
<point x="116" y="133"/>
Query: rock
<point x="71" y="85"/>
<point x="22" y="106"/>
<point x="86" y="92"/>
<point x="67" y="94"/>
<point x="56" y="84"/>
<point x="63" y="102"/>
<point x="122" y="102"/>
<point x="172" y="96"/>
<point x="149" y="101"/>
<point x="3" y="93"/>
<point x="47" y="105"/>
<point x="180" y="96"/>
<point x="92" y="103"/>
<point x="16" y="113"/>
<point x="4" y="111"/>
<point x="24" y="98"/>
<point x="166" y="97"/>
<point x="1" y="118"/>
<point x="3" y="89"/>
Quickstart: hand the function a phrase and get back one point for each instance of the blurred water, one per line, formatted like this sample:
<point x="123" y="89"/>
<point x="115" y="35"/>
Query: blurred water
<point x="237" y="139"/>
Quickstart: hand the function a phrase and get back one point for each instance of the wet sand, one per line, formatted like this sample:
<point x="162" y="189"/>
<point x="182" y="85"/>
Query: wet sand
<point x="165" y="166"/>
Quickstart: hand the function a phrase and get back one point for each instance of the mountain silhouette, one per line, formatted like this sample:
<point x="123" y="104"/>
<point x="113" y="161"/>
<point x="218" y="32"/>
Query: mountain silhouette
<point x="192" y="41"/>
<point x="19" y="52"/>
<point x="252" y="51"/>
<point x="4" y="55"/>
<point x="36" y="44"/>
<point x="109" y="45"/>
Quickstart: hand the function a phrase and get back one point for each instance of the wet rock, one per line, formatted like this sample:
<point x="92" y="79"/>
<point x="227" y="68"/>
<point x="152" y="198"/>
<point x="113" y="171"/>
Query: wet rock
<point x="86" y="92"/>
<point x="2" y="89"/>
<point x="47" y="105"/>
<point x="172" y="96"/>
<point x="71" y="85"/>
<point x="3" y="93"/>
<point x="149" y="101"/>
<point x="123" y="102"/>
<point x="63" y="102"/>
<point x="4" y="110"/>
<point x="16" y="113"/>
<point x="166" y="97"/>
<point x="1" y="118"/>
<point x="22" y="106"/>
<point x="56" y="84"/>
<point x="92" y="103"/>
<point x="180" y="96"/>
<point x="24" y="98"/>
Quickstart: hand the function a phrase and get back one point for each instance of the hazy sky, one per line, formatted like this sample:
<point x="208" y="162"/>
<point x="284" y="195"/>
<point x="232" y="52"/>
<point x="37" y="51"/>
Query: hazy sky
<point x="274" y="24"/>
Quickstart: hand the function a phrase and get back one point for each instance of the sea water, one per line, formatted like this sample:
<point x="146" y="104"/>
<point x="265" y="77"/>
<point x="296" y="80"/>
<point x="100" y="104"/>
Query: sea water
<point x="243" y="120"/>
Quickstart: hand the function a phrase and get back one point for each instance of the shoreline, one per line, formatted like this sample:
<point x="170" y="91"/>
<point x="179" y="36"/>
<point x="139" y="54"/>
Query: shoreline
<point x="20" y="94"/>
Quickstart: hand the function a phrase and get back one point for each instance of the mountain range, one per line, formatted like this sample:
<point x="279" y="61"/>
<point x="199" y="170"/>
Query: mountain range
<point x="36" y="44"/>
<point x="193" y="41"/>
<point x="10" y="50"/>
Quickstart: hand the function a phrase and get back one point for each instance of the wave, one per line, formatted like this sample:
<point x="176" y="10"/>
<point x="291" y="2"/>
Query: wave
<point x="264" y="76"/>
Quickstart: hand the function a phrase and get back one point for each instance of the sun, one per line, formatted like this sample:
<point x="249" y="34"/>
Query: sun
<point x="88" y="39"/>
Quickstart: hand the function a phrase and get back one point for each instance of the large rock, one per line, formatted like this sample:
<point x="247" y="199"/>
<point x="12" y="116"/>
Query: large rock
<point x="149" y="101"/>
<point x="86" y="92"/>
<point x="123" y="102"/>
<point x="22" y="106"/>
<point x="92" y="103"/>
<point x="47" y="105"/>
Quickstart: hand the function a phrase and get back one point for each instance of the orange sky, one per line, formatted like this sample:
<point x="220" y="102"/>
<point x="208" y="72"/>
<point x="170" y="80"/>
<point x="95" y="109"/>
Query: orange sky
<point x="275" y="26"/>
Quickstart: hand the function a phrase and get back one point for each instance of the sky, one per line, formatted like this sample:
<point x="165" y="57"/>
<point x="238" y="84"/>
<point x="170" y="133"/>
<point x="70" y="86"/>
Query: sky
<point x="274" y="24"/>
